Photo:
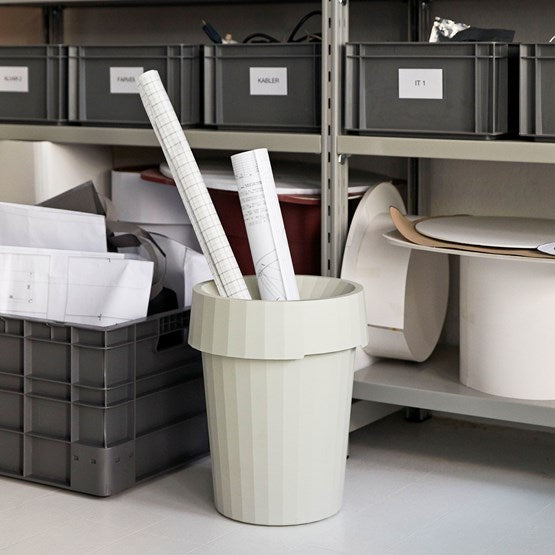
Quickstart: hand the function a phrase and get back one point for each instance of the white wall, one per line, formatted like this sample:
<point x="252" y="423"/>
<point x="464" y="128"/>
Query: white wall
<point x="33" y="171"/>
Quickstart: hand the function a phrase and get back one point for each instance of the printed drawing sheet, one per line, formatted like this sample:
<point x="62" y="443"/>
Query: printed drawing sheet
<point x="40" y="227"/>
<point x="264" y="223"/>
<point x="195" y="197"/>
<point x="100" y="289"/>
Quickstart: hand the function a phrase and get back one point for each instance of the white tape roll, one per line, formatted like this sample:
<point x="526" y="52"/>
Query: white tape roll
<point x="406" y="290"/>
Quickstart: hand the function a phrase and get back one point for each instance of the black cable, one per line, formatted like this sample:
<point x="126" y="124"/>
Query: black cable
<point x="213" y="35"/>
<point x="267" y="38"/>
<point x="300" y="24"/>
<point x="308" y="37"/>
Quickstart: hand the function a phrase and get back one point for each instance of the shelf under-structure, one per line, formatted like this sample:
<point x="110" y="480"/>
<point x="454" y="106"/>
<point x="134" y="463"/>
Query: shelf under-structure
<point x="307" y="143"/>
<point x="454" y="149"/>
<point x="434" y="385"/>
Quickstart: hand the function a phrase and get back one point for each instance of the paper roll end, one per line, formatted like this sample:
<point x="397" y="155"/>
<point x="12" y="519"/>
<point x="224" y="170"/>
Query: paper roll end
<point x="148" y="74"/>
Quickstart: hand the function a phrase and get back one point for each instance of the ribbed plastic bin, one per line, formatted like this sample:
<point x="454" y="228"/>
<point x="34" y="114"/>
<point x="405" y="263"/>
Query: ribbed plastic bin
<point x="269" y="86"/>
<point x="98" y="410"/>
<point x="103" y="82"/>
<point x="279" y="382"/>
<point x="439" y="89"/>
<point x="33" y="84"/>
<point x="537" y="83"/>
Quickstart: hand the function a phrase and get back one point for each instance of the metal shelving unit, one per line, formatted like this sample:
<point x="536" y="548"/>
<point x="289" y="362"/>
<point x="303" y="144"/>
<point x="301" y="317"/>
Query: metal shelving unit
<point x="435" y="385"/>
<point x="432" y="385"/>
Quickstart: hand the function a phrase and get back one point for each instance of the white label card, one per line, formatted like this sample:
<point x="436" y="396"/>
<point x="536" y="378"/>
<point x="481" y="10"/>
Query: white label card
<point x="421" y="83"/>
<point x="123" y="80"/>
<point x="14" y="79"/>
<point x="270" y="81"/>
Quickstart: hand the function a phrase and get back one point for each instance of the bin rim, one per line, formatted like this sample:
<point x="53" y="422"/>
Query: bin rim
<point x="202" y="289"/>
<point x="279" y="330"/>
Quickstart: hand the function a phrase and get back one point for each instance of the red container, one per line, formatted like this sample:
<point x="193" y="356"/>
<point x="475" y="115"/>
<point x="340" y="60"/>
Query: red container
<point x="301" y="218"/>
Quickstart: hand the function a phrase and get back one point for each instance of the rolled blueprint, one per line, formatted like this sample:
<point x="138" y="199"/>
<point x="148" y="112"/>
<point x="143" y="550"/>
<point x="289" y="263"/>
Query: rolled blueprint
<point x="264" y="224"/>
<point x="191" y="187"/>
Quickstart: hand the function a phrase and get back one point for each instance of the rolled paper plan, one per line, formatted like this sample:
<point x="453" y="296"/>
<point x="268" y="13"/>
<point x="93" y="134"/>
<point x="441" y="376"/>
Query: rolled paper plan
<point x="191" y="187"/>
<point x="264" y="223"/>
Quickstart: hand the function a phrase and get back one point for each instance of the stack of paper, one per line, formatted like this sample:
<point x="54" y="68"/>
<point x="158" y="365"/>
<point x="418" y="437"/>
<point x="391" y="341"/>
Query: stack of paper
<point x="54" y="265"/>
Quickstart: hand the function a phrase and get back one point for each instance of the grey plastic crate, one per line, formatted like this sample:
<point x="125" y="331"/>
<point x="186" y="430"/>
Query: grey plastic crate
<point x="99" y="78"/>
<point x="537" y="83"/>
<point x="96" y="410"/>
<point x="34" y="84"/>
<point x="234" y="98"/>
<point x="439" y="89"/>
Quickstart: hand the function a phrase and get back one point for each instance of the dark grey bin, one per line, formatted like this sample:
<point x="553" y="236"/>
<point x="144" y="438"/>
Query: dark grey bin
<point x="537" y="86"/>
<point x="92" y="100"/>
<point x="97" y="410"/>
<point x="40" y="94"/>
<point x="229" y="104"/>
<point x="470" y="98"/>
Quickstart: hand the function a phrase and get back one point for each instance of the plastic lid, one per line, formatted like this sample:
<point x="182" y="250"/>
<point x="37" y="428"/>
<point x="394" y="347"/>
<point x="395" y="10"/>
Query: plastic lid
<point x="291" y="178"/>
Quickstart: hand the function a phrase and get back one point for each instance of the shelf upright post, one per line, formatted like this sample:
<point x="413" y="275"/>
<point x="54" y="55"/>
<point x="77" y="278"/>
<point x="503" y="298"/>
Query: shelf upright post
<point x="418" y="31"/>
<point x="53" y="24"/>
<point x="335" y="30"/>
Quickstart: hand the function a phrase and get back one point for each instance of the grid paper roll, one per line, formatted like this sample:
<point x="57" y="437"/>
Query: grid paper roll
<point x="191" y="187"/>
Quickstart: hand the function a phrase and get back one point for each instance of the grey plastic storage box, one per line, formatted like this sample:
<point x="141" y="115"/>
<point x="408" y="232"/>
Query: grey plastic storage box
<point x="439" y="89"/>
<point x="33" y="84"/>
<point x="103" y="87"/>
<point x="263" y="86"/>
<point x="537" y="91"/>
<point x="97" y="410"/>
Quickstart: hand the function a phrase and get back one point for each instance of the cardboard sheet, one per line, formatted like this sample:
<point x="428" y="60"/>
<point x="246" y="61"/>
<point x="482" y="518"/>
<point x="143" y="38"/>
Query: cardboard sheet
<point x="408" y="230"/>
<point x="185" y="267"/>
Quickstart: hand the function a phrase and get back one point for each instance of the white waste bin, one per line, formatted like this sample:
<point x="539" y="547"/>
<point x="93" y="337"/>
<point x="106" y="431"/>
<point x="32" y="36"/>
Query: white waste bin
<point x="278" y="380"/>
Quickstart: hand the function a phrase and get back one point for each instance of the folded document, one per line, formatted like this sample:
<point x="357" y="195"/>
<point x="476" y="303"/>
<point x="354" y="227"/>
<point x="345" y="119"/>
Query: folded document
<point x="22" y="225"/>
<point x="72" y="286"/>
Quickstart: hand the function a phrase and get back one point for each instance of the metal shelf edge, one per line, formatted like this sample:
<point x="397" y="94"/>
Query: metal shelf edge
<point x="455" y="149"/>
<point x="434" y="385"/>
<point x="198" y="138"/>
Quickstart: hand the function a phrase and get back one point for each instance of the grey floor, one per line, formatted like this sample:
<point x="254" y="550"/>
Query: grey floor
<point x="443" y="486"/>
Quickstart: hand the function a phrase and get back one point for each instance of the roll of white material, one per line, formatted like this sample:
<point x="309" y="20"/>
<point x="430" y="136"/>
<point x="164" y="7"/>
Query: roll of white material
<point x="406" y="290"/>
<point x="507" y="327"/>
<point x="264" y="224"/>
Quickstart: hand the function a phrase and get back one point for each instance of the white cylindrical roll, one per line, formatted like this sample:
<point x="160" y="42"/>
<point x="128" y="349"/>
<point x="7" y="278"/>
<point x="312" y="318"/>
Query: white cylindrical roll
<point x="264" y="224"/>
<point x="506" y="323"/>
<point x="405" y="290"/>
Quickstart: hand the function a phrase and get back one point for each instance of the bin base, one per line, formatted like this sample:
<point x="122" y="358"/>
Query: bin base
<point x="278" y="436"/>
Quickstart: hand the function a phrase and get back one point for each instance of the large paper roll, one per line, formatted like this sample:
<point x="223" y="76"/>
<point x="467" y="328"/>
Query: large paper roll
<point x="405" y="290"/>
<point x="189" y="182"/>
